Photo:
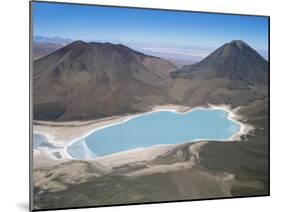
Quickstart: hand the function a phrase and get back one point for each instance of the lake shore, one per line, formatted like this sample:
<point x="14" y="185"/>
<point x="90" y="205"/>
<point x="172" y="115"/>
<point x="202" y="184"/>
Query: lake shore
<point x="64" y="134"/>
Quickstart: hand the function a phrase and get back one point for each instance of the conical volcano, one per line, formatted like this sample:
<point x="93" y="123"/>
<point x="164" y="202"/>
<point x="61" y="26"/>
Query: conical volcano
<point x="91" y="80"/>
<point x="235" y="60"/>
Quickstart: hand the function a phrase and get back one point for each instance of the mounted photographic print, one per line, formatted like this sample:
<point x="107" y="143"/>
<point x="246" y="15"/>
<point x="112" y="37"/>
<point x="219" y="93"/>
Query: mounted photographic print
<point x="136" y="105"/>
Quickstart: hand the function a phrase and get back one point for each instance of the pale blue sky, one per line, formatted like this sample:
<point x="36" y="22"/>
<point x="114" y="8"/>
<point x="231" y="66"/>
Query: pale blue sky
<point x="80" y="22"/>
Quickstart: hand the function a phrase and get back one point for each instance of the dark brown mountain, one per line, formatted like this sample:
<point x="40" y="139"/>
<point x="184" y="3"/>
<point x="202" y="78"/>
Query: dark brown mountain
<point x="91" y="80"/>
<point x="234" y="74"/>
<point x="235" y="61"/>
<point x="242" y="164"/>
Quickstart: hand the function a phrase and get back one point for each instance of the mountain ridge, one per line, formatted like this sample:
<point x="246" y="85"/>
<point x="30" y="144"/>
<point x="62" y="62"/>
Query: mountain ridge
<point x="235" y="60"/>
<point x="89" y="80"/>
<point x="110" y="78"/>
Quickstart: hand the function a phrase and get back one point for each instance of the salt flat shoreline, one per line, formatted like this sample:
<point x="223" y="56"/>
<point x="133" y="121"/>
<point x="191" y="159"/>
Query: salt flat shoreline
<point x="64" y="134"/>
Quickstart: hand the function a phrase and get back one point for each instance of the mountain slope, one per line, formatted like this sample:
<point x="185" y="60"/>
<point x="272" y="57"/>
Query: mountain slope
<point x="234" y="74"/>
<point x="235" y="61"/>
<point x="42" y="49"/>
<point x="92" y="80"/>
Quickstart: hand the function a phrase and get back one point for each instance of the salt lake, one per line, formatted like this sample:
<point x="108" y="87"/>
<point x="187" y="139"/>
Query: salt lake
<point x="159" y="128"/>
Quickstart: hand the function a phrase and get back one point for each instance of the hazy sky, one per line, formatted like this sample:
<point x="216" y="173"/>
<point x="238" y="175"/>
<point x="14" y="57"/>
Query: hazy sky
<point x="140" y="25"/>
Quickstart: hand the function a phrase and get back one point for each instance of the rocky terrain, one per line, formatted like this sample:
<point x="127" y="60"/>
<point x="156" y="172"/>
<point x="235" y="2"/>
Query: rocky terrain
<point x="42" y="49"/>
<point x="114" y="79"/>
<point x="189" y="171"/>
<point x="108" y="79"/>
<point x="90" y="80"/>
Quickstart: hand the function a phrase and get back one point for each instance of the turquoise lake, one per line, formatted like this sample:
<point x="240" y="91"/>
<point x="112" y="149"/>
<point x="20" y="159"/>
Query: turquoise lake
<point x="162" y="127"/>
